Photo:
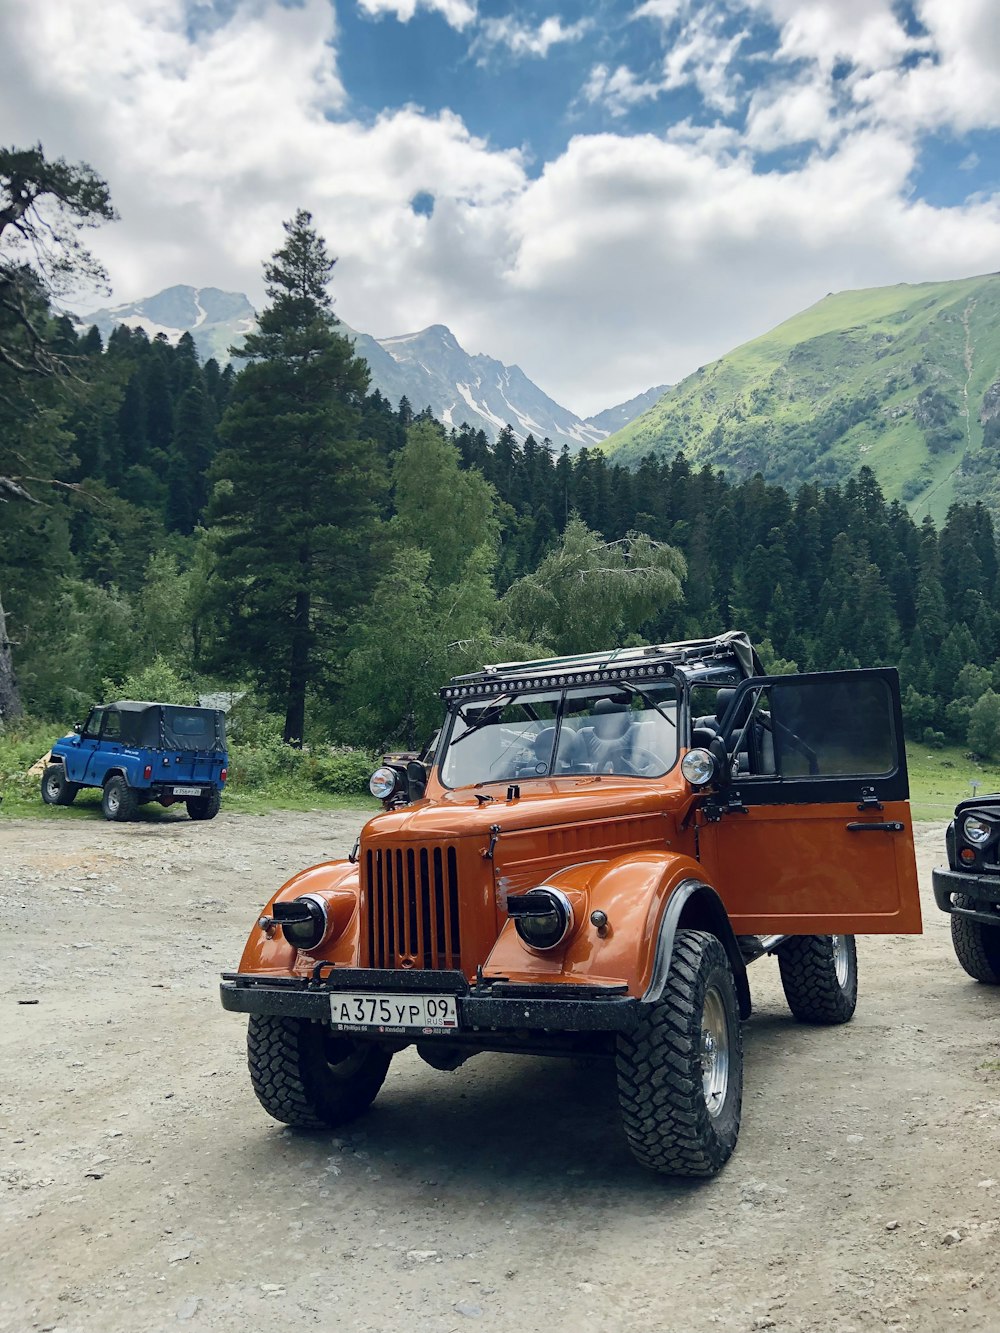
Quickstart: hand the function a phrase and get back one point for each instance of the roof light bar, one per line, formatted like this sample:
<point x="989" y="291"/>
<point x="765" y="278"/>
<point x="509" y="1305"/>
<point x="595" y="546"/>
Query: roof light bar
<point x="487" y="688"/>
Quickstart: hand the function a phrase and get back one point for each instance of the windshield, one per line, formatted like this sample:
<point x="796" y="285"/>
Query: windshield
<point x="593" y="729"/>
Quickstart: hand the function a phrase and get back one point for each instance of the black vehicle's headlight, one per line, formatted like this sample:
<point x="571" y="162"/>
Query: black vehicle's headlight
<point x="976" y="830"/>
<point x="303" y="921"/>
<point x="542" y="917"/>
<point x="382" y="782"/>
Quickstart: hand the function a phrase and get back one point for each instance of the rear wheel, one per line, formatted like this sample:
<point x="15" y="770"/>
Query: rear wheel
<point x="306" y="1075"/>
<point x="204" y="807"/>
<point x="977" y="945"/>
<point x="680" y="1072"/>
<point x="819" y="975"/>
<point x="56" y="790"/>
<point x="118" y="801"/>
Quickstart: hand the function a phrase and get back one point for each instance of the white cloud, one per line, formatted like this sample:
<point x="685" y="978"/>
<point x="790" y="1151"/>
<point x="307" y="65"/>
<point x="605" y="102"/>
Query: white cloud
<point x="628" y="261"/>
<point x="458" y="13"/>
<point x="703" y="56"/>
<point x="619" y="89"/>
<point x="800" y="111"/>
<point x="699" y="53"/>
<point x="524" y="40"/>
<point x="866" y="32"/>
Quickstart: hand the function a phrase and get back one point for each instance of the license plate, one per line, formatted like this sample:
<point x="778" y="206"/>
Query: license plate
<point x="187" y="791"/>
<point x="394" y="1013"/>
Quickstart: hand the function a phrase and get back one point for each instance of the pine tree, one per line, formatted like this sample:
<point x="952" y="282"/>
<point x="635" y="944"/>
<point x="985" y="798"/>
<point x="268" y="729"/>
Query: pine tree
<point x="295" y="502"/>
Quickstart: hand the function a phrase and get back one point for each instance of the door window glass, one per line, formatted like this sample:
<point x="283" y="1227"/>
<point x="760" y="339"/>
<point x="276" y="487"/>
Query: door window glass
<point x="93" y="728"/>
<point x="113" y="727"/>
<point x="814" y="728"/>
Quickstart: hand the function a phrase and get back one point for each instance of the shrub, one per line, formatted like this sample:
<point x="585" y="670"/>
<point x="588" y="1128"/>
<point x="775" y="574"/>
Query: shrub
<point x="344" y="772"/>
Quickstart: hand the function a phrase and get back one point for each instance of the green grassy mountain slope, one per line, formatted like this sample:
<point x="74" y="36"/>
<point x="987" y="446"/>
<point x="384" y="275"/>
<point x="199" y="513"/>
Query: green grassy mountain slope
<point x="891" y="377"/>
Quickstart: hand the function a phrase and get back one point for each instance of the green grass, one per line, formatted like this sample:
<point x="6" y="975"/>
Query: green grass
<point x="939" y="779"/>
<point x="23" y="801"/>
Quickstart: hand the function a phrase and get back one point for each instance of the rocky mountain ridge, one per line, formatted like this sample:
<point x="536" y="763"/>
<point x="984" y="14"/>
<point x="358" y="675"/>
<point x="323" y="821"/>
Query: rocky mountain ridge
<point x="429" y="368"/>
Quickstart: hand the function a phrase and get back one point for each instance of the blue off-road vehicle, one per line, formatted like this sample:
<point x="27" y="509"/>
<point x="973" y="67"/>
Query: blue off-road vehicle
<point x="141" y="752"/>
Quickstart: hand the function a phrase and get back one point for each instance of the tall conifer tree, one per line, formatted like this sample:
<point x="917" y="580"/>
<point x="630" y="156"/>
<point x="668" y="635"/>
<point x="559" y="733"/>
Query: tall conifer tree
<point x="295" y="503"/>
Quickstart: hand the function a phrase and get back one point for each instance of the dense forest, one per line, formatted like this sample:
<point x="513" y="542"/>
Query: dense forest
<point x="273" y="527"/>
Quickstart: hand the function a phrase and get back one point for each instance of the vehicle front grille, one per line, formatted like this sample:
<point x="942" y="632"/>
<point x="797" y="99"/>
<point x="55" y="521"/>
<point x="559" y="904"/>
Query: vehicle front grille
<point x="412" y="907"/>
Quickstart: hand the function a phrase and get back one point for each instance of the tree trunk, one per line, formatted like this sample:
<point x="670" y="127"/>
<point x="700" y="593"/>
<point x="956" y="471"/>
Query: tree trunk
<point x="10" y="699"/>
<point x="298" y="672"/>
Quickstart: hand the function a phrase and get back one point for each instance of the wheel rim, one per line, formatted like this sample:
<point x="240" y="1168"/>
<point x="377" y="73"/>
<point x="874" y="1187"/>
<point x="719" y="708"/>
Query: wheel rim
<point x="112" y="800"/>
<point x="841" y="960"/>
<point x="343" y="1058"/>
<point x="714" y="1051"/>
<point x="52" y="787"/>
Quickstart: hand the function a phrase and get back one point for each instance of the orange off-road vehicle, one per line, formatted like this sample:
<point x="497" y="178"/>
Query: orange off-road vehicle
<point x="586" y="864"/>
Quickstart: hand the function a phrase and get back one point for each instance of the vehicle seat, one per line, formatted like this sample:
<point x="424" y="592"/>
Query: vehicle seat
<point x="609" y="737"/>
<point x="542" y="745"/>
<point x="571" y="757"/>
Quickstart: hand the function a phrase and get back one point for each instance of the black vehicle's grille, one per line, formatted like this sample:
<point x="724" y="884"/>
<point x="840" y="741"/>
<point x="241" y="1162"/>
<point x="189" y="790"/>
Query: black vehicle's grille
<point x="412" y="907"/>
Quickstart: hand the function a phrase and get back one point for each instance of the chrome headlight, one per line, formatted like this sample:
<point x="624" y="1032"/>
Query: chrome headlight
<point x="698" y="766"/>
<point x="542" y="917"/>
<point x="382" y="782"/>
<point x="303" y="921"/>
<point x="976" y="830"/>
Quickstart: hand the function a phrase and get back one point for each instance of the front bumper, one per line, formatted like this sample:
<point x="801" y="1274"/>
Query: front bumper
<point x="497" y="1007"/>
<point x="982" y="892"/>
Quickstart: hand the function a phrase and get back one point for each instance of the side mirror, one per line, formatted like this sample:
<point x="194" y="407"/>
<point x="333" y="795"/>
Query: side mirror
<point x="78" y="727"/>
<point x="416" y="779"/>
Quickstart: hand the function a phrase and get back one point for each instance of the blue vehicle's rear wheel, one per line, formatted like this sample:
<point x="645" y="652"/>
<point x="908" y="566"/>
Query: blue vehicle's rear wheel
<point x="204" y="807"/>
<point x="55" y="788"/>
<point x="118" y="801"/>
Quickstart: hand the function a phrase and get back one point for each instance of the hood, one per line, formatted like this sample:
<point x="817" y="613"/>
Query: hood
<point x="544" y="803"/>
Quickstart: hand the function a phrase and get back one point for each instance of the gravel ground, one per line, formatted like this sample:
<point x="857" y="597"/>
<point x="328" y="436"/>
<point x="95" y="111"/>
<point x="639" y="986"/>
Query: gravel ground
<point x="142" y="1188"/>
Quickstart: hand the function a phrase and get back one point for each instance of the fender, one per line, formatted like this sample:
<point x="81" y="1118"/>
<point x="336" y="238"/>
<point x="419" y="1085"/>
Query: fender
<point x="694" y="905"/>
<point x="334" y="881"/>
<point x="647" y="897"/>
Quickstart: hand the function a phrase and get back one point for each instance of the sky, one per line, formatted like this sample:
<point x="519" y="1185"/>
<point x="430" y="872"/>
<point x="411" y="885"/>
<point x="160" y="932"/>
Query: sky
<point x="608" y="194"/>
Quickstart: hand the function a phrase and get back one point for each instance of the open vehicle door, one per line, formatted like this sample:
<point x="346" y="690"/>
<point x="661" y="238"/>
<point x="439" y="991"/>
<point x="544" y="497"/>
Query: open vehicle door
<point x="811" y="833"/>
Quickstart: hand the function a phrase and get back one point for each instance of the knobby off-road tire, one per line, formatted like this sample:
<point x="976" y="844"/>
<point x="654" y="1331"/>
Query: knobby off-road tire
<point x="977" y="945"/>
<point x="56" y="790"/>
<point x="306" y="1075"/>
<point x="204" y="807"/>
<point x="118" y="800"/>
<point x="819" y="975"/>
<point x="680" y="1072"/>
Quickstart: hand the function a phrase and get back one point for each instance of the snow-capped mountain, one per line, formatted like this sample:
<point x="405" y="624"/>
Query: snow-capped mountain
<point x="429" y="368"/>
<point x="614" y="418"/>
<point x="215" y="319"/>
<point x="432" y="370"/>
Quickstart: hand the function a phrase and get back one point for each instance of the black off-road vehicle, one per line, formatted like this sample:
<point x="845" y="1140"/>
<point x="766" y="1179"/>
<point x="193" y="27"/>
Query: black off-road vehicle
<point x="969" y="887"/>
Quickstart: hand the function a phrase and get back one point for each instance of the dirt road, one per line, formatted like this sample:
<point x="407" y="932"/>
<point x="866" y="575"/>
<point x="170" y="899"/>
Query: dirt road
<point x="142" y="1188"/>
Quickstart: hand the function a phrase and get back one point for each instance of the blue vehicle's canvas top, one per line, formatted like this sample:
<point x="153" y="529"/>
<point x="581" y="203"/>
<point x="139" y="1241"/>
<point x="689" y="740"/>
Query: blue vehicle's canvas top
<point x="169" y="726"/>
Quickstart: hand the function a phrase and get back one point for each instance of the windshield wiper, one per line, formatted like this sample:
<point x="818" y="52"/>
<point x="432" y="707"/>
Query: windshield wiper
<point x="489" y="715"/>
<point x="634" y="689"/>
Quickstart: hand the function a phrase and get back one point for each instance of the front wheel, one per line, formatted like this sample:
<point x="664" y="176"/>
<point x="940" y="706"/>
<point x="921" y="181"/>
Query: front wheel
<point x="307" y="1075"/>
<point x="204" y="807"/>
<point x="56" y="790"/>
<point x="680" y="1072"/>
<point x="819" y="975"/>
<point x="118" y="800"/>
<point x="977" y="945"/>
